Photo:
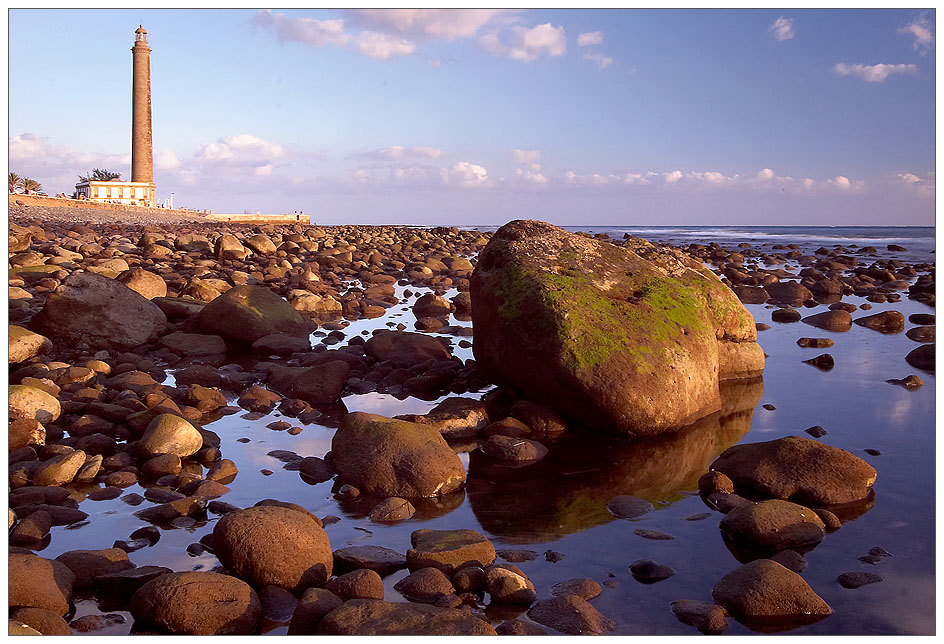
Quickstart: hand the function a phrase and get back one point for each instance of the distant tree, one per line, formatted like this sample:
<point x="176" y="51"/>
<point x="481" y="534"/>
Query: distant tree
<point x="31" y="185"/>
<point x="16" y="182"/>
<point x="99" y="174"/>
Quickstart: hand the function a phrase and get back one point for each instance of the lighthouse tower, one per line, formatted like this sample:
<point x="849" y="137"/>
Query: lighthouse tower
<point x="142" y="167"/>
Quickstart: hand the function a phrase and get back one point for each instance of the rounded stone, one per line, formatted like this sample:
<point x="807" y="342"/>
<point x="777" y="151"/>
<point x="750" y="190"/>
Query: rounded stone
<point x="170" y="434"/>
<point x="773" y="525"/>
<point x="274" y="545"/>
<point x="32" y="403"/>
<point x="358" y="584"/>
<point x="197" y="603"/>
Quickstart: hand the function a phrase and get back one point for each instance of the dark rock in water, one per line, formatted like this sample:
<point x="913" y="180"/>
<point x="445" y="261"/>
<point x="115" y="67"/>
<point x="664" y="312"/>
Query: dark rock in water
<point x="449" y="550"/>
<point x="790" y="559"/>
<point x="94" y="311"/>
<point x="816" y="431"/>
<point x="769" y="407"/>
<point x="764" y="588"/>
<point x="815" y="343"/>
<point x="872" y="452"/>
<point x="87" y="565"/>
<point x="773" y="525"/>
<point x="785" y="315"/>
<point x="470" y="579"/>
<point x="910" y="383"/>
<point x="923" y="334"/>
<point x="699" y="516"/>
<point x="278" y="604"/>
<point x="197" y="603"/>
<point x="405" y="349"/>
<point x="878" y="551"/>
<point x="571" y="615"/>
<point x="584" y="588"/>
<point x="508" y="584"/>
<point x="392" y="510"/>
<point x="519" y="627"/>
<point x="426" y="585"/>
<point x="243" y="541"/>
<point x="921" y="318"/>
<point x="789" y="293"/>
<point x="824" y="362"/>
<point x="897" y="248"/>
<point x="516" y="556"/>
<point x="884" y="322"/>
<point x="312" y="607"/>
<point x="799" y="469"/>
<point x="383" y="561"/>
<point x="247" y="313"/>
<point x="760" y="326"/>
<point x="315" y="469"/>
<point x="514" y="450"/>
<point x="126" y="582"/>
<point x="542" y="421"/>
<point x="711" y="482"/>
<point x="858" y="579"/>
<point x="831" y="522"/>
<point x="315" y="385"/>
<point x="388" y="457"/>
<point x="649" y="572"/>
<point x="922" y="358"/>
<point x="607" y="335"/>
<point x="751" y="294"/>
<point x="628" y="507"/>
<point x="357" y="584"/>
<point x="376" y="617"/>
<point x="654" y="535"/>
<point x="455" y="418"/>
<point x="838" y="320"/>
<point x="552" y="557"/>
<point x="706" y="617"/>
<point x="724" y="502"/>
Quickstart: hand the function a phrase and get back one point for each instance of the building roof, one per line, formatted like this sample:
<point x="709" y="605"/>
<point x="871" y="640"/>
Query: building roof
<point x="140" y="30"/>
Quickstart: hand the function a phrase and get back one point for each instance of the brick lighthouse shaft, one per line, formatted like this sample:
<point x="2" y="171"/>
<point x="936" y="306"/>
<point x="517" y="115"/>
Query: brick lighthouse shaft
<point x="142" y="168"/>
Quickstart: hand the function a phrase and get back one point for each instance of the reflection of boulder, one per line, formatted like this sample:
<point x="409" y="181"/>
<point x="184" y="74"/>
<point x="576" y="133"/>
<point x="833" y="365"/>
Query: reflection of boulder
<point x="430" y="508"/>
<point x="567" y="492"/>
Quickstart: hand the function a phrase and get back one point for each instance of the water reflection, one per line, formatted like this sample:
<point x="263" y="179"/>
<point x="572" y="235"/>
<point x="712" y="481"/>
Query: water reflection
<point x="567" y="492"/>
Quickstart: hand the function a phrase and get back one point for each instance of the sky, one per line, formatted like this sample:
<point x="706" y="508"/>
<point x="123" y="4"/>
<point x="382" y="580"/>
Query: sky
<point x="480" y="116"/>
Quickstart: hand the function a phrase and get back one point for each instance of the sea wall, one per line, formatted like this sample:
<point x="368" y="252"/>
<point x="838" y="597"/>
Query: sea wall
<point x="58" y="202"/>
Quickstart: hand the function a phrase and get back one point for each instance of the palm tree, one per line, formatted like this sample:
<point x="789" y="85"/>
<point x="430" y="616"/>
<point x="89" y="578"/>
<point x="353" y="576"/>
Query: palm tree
<point x="31" y="185"/>
<point x="16" y="182"/>
<point x="105" y="175"/>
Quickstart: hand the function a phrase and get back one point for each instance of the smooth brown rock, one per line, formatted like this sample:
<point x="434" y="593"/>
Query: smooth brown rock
<point x="386" y="457"/>
<point x="143" y="282"/>
<point x="45" y="621"/>
<point x="358" y="584"/>
<point x="798" y="469"/>
<point x="571" y="615"/>
<point x="884" y="322"/>
<point x="449" y="550"/>
<point x="313" y="606"/>
<point x="87" y="565"/>
<point x="39" y="583"/>
<point x="247" y="313"/>
<point x="838" y="320"/>
<point x="764" y="588"/>
<point x="32" y="403"/>
<point x="24" y="344"/>
<point x="274" y="545"/>
<point x="383" y="561"/>
<point x="773" y="525"/>
<point x="392" y="510"/>
<point x="425" y="585"/>
<point x="197" y="603"/>
<point x="706" y="617"/>
<point x="170" y="434"/>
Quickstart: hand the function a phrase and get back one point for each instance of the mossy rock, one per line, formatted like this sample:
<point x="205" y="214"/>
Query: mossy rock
<point x="41" y="268"/>
<point x="247" y="313"/>
<point x="631" y="339"/>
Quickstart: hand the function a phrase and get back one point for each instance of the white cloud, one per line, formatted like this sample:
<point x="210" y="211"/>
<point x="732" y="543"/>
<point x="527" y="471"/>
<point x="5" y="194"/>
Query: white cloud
<point x="166" y="160"/>
<point x="465" y="174"/>
<point x="907" y="177"/>
<point x="765" y="175"/>
<point x="874" y="73"/>
<point x="440" y="24"/>
<point x="602" y="61"/>
<point x="239" y="145"/>
<point x="57" y="166"/>
<point x="315" y="33"/>
<point x="263" y="170"/>
<point x="597" y="179"/>
<point x="920" y="30"/>
<point x="398" y="152"/>
<point x="672" y="177"/>
<point x="526" y="45"/>
<point x="782" y="29"/>
<point x="590" y="38"/>
<point x="909" y="181"/>
<point x="382" y="46"/>
<point x="531" y="169"/>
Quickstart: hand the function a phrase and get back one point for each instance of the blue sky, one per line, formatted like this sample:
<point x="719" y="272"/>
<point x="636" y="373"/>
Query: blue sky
<point x="481" y="116"/>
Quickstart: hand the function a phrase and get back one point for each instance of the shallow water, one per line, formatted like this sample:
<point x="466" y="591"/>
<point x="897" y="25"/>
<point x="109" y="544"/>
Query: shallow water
<point x="559" y="503"/>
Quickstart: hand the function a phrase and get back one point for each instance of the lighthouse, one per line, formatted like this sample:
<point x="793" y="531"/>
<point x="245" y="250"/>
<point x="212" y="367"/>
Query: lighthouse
<point x="142" y="167"/>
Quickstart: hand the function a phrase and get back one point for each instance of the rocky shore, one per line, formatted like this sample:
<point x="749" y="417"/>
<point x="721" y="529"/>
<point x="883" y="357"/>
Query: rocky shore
<point x="610" y="379"/>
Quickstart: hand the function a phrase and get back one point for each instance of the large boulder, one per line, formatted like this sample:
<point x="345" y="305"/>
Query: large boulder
<point x="797" y="469"/>
<point x="377" y="617"/>
<point x="388" y="457"/>
<point x="197" y="603"/>
<point x="631" y="339"/>
<point x="316" y="385"/>
<point x="170" y="434"/>
<point x="247" y="313"/>
<point x="145" y="283"/>
<point x="773" y="525"/>
<point x="99" y="312"/>
<point x="275" y="545"/>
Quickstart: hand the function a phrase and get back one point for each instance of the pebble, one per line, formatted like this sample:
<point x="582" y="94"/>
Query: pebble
<point x="854" y="580"/>
<point x="655" y="535"/>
